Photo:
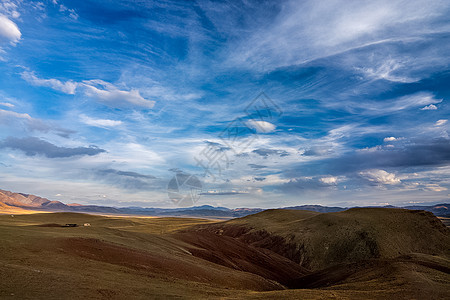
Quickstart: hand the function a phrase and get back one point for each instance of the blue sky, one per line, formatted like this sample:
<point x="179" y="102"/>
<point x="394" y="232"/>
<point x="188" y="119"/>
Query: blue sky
<point x="103" y="102"/>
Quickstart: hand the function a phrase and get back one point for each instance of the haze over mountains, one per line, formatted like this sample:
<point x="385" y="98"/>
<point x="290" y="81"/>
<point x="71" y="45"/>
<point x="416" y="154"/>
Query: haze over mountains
<point x="27" y="201"/>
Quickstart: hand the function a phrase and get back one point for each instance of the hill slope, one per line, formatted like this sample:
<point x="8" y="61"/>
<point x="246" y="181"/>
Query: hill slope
<point x="319" y="240"/>
<point x="276" y="254"/>
<point x="22" y="200"/>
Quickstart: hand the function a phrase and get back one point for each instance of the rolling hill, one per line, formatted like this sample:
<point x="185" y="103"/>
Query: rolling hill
<point x="361" y="253"/>
<point x="318" y="240"/>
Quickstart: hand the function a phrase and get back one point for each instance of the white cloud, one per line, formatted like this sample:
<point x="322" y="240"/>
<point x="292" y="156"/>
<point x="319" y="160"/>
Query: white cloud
<point x="397" y="104"/>
<point x="98" y="89"/>
<point x="389" y="139"/>
<point x="109" y="94"/>
<point x="418" y="99"/>
<point x="434" y="187"/>
<point x="67" y="87"/>
<point x="7" y="104"/>
<point x="99" y="122"/>
<point x="329" y="180"/>
<point x="441" y="122"/>
<point x="9" y="8"/>
<point x="429" y="107"/>
<point x="9" y="30"/>
<point x="261" y="126"/>
<point x="72" y="12"/>
<point x="386" y="71"/>
<point x="7" y="113"/>
<point x="306" y="30"/>
<point x="380" y="176"/>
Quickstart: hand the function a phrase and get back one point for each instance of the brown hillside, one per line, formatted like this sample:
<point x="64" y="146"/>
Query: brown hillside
<point x="256" y="257"/>
<point x="19" y="199"/>
<point x="319" y="240"/>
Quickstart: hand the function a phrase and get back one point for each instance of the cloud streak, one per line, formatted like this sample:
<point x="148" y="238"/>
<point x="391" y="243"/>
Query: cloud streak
<point x="67" y="87"/>
<point x="307" y="30"/>
<point x="99" y="90"/>
<point x="261" y="126"/>
<point x="104" y="123"/>
<point x="32" y="146"/>
<point x="110" y="95"/>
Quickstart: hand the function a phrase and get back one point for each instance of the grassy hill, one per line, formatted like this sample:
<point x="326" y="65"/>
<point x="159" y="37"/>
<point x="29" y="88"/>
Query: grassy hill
<point x="318" y="240"/>
<point x="289" y="254"/>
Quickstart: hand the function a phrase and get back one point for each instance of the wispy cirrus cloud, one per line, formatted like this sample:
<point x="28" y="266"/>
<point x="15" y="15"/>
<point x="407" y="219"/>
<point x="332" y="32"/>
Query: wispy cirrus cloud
<point x="9" y="8"/>
<point x="307" y="30"/>
<point x="387" y="70"/>
<point x="392" y="105"/>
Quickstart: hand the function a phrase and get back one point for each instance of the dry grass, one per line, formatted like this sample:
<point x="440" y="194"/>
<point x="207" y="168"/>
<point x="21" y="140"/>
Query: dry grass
<point x="141" y="258"/>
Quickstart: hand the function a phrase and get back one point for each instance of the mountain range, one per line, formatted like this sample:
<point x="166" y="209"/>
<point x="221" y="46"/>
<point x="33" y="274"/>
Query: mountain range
<point x="10" y="200"/>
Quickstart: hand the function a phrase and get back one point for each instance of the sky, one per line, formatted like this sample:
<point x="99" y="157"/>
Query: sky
<point x="267" y="103"/>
